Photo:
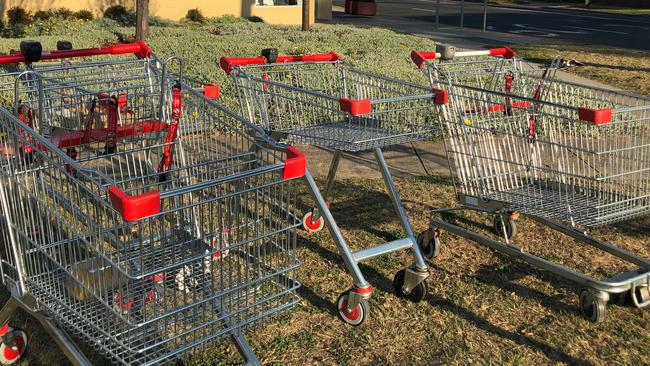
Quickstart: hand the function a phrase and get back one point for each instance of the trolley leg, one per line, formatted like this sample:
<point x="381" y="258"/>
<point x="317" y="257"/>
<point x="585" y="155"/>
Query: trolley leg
<point x="244" y="348"/>
<point x="397" y="206"/>
<point x="350" y="263"/>
<point x="331" y="175"/>
<point x="69" y="348"/>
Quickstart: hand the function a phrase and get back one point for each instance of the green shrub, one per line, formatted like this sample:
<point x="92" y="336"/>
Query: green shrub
<point x="120" y="14"/>
<point x="18" y="16"/>
<point x="41" y="15"/>
<point x="226" y="19"/>
<point x="63" y="13"/>
<point x="195" y="15"/>
<point x="155" y="21"/>
<point x="84" y="15"/>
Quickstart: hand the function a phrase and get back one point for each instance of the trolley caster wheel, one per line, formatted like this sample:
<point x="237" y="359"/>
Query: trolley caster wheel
<point x="510" y="226"/>
<point x="12" y="348"/>
<point x="417" y="294"/>
<point x="312" y="227"/>
<point x="593" y="308"/>
<point x="355" y="317"/>
<point x="429" y="243"/>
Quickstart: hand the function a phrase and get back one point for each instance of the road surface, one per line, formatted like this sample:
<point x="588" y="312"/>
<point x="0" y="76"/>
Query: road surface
<point x="506" y="25"/>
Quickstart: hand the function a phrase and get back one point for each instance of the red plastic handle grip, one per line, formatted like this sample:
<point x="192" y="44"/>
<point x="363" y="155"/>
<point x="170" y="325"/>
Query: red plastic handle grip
<point x="503" y="51"/>
<point x="227" y="63"/>
<point x="140" y="49"/>
<point x="419" y="58"/>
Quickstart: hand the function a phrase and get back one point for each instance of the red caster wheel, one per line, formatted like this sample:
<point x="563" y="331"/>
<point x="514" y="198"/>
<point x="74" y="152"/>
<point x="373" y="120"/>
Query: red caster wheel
<point x="13" y="345"/>
<point x="312" y="227"/>
<point x="357" y="315"/>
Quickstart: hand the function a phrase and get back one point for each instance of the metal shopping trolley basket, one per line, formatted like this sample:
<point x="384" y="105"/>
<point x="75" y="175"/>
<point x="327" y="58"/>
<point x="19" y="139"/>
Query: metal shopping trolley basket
<point x="552" y="150"/>
<point x="320" y="100"/>
<point x="174" y="238"/>
<point x="115" y="66"/>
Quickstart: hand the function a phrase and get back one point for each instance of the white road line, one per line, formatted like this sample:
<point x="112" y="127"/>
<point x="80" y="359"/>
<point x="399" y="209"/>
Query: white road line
<point x="550" y="31"/>
<point x="427" y="10"/>
<point x="595" y="30"/>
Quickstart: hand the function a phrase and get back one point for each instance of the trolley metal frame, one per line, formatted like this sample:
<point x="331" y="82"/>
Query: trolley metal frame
<point x="521" y="141"/>
<point x="320" y="100"/>
<point x="136" y="211"/>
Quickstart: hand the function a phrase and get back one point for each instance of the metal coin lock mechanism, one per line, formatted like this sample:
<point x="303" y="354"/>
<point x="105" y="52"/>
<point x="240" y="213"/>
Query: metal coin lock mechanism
<point x="32" y="50"/>
<point x="271" y="54"/>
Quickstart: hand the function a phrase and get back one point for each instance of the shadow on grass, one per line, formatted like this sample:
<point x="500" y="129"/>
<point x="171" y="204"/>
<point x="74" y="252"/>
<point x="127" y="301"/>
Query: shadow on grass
<point x="382" y="283"/>
<point x="471" y="317"/>
<point x="637" y="227"/>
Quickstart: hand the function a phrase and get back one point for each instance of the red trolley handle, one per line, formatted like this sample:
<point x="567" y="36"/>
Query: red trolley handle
<point x="420" y="57"/>
<point x="227" y="63"/>
<point x="140" y="49"/>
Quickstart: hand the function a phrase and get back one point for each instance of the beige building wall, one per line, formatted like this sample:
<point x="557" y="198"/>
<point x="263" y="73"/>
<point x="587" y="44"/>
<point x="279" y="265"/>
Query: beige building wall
<point x="176" y="9"/>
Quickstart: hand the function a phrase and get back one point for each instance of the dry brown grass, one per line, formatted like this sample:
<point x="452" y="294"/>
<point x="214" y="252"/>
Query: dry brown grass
<point x="623" y="68"/>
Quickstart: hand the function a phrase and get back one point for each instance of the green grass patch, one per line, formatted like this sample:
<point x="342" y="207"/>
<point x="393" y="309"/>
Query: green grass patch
<point x="622" y="68"/>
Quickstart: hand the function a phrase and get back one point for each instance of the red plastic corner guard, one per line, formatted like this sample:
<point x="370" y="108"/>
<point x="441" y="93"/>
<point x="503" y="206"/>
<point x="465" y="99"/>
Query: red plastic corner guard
<point x="211" y="91"/>
<point x="441" y="97"/>
<point x="295" y="165"/>
<point x="355" y="107"/>
<point x="419" y="58"/>
<point x="503" y="51"/>
<point x="595" y="116"/>
<point x="133" y="208"/>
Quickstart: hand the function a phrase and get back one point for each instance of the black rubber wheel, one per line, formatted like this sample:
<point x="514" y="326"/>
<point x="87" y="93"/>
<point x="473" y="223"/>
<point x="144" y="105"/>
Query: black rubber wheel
<point x="593" y="308"/>
<point x="510" y="226"/>
<point x="429" y="244"/>
<point x="355" y="317"/>
<point x="417" y="294"/>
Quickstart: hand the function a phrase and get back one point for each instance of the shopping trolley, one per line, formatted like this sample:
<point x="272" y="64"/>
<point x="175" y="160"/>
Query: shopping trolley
<point x="526" y="142"/>
<point x="179" y="235"/>
<point x="320" y="100"/>
<point x="122" y="64"/>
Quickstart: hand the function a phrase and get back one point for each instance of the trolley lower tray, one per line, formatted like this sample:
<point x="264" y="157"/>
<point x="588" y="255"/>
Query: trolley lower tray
<point x="354" y="136"/>
<point x="569" y="204"/>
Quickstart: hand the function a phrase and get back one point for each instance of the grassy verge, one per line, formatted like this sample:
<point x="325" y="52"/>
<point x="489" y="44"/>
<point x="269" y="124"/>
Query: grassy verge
<point x="626" y="69"/>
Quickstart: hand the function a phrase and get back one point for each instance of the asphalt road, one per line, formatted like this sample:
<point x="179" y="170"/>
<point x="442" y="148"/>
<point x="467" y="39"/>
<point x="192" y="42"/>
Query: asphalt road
<point x="506" y="25"/>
